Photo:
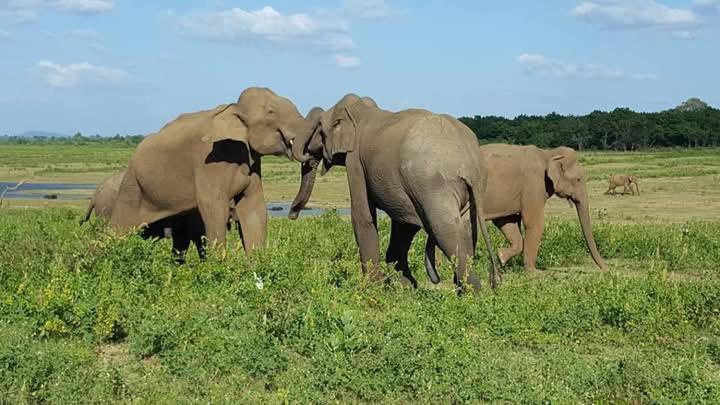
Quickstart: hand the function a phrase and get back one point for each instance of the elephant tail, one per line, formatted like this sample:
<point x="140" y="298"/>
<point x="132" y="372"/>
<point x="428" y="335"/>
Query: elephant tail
<point x="476" y="212"/>
<point x="88" y="212"/>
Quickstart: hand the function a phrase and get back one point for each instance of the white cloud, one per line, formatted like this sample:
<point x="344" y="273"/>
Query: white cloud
<point x="543" y="66"/>
<point x="26" y="11"/>
<point x="269" y="26"/>
<point x="77" y="74"/>
<point x="83" y="6"/>
<point x="346" y="61"/>
<point x="634" y="14"/>
<point x="369" y="8"/>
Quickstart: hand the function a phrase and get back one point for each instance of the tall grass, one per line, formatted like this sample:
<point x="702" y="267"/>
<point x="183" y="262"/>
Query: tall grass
<point x="86" y="316"/>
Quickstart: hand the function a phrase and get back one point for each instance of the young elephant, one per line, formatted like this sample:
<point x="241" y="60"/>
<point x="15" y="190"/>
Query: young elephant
<point x="520" y="180"/>
<point x="421" y="168"/>
<point x="183" y="228"/>
<point x="624" y="180"/>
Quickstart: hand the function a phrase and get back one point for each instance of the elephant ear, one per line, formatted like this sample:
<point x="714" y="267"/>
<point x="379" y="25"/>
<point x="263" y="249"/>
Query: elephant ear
<point x="228" y="134"/>
<point x="561" y="160"/>
<point x="341" y="134"/>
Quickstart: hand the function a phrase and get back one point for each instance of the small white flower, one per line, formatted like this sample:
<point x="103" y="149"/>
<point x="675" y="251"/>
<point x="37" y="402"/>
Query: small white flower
<point x="258" y="281"/>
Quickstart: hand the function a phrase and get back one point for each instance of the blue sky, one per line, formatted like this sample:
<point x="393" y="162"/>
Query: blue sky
<point x="129" y="66"/>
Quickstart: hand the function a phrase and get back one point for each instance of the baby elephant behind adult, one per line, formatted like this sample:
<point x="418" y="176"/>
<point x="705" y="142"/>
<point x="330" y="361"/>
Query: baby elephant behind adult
<point x="520" y="180"/>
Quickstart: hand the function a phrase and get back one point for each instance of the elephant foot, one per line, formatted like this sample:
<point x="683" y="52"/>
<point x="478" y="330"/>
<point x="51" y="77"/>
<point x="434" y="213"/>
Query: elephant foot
<point x="531" y="270"/>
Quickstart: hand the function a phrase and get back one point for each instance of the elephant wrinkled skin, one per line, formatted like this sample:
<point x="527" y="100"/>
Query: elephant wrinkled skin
<point x="422" y="169"/>
<point x="520" y="180"/>
<point x="201" y="160"/>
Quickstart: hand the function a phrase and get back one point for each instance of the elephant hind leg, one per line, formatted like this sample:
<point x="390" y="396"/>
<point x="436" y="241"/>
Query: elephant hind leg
<point x="401" y="237"/>
<point x="510" y="227"/>
<point x="454" y="236"/>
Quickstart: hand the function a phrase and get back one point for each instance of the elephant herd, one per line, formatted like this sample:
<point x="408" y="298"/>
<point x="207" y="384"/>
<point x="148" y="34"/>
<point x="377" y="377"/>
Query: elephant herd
<point x="201" y="172"/>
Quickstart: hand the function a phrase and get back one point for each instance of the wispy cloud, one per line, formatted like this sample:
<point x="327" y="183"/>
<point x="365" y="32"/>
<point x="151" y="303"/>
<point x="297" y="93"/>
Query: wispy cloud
<point x="370" y="9"/>
<point x="26" y="11"/>
<point x="85" y="34"/>
<point x="268" y="26"/>
<point x="631" y="14"/>
<point x="708" y="7"/>
<point x="78" y="74"/>
<point x="346" y="61"/>
<point x="5" y="35"/>
<point x="543" y="66"/>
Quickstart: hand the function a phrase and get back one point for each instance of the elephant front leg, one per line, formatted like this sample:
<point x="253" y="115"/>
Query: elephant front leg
<point x="401" y="237"/>
<point x="510" y="227"/>
<point x="252" y="218"/>
<point x="214" y="213"/>
<point x="364" y="220"/>
<point x="534" y="226"/>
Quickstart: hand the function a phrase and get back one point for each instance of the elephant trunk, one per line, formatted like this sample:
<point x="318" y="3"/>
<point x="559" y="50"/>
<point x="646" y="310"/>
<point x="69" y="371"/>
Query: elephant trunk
<point x="583" y="211"/>
<point x="300" y="148"/>
<point x="309" y="173"/>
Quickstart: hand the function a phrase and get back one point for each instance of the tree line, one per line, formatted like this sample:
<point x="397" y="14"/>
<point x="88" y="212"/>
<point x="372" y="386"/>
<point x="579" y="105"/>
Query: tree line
<point x="692" y="124"/>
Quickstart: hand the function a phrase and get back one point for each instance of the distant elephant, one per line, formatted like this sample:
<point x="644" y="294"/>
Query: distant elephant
<point x="421" y="168"/>
<point x="520" y="180"/>
<point x="201" y="160"/>
<point x="624" y="180"/>
<point x="182" y="228"/>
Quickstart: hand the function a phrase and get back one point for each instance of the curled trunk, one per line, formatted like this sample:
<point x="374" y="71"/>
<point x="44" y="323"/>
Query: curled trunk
<point x="309" y="173"/>
<point x="583" y="212"/>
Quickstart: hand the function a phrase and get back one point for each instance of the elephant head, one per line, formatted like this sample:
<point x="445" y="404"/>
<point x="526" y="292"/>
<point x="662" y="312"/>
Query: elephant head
<point x="567" y="180"/>
<point x="272" y="122"/>
<point x="334" y="133"/>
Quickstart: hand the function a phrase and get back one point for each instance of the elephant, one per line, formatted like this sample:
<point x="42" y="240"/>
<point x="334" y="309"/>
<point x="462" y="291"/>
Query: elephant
<point x="421" y="168"/>
<point x="182" y="228"/>
<point x="201" y="160"/>
<point x="624" y="180"/>
<point x="104" y="198"/>
<point x="520" y="181"/>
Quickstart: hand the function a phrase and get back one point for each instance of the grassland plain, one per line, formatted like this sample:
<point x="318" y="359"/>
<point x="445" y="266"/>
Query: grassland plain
<point x="677" y="184"/>
<point x="86" y="316"/>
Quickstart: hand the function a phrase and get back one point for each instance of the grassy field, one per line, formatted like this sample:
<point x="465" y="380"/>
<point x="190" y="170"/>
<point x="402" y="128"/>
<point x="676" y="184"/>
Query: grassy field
<point x="676" y="185"/>
<point x="86" y="316"/>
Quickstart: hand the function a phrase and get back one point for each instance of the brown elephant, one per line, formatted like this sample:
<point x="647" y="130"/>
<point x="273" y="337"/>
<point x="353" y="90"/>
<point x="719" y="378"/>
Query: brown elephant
<point x="624" y="180"/>
<point x="421" y="168"/>
<point x="520" y="180"/>
<point x="103" y="199"/>
<point x="182" y="228"/>
<point x="202" y="160"/>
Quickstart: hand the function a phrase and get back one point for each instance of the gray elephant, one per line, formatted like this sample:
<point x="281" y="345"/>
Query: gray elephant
<point x="202" y="160"/>
<point x="624" y="180"/>
<point x="520" y="180"/>
<point x="422" y="169"/>
<point x="183" y="228"/>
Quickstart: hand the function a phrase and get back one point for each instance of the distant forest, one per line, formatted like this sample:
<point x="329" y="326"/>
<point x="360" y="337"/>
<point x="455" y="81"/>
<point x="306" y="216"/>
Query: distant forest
<point x="692" y="124"/>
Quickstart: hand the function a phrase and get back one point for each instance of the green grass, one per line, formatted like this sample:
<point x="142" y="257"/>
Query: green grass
<point x="86" y="316"/>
